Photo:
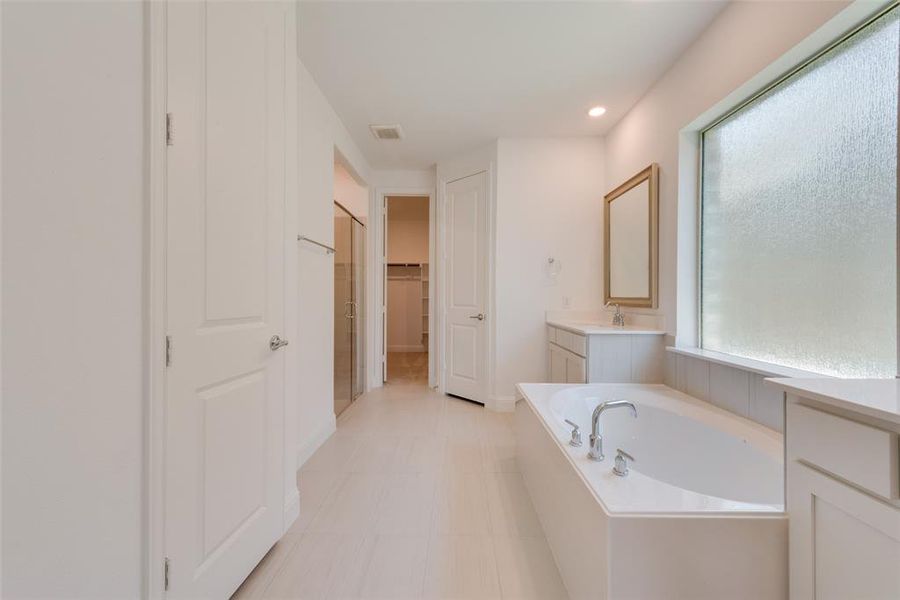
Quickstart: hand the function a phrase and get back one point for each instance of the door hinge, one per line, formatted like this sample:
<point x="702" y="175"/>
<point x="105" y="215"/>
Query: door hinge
<point x="168" y="350"/>
<point x="166" y="575"/>
<point x="170" y="127"/>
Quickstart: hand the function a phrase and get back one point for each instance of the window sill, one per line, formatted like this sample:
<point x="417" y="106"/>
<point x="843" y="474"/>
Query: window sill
<point x="746" y="364"/>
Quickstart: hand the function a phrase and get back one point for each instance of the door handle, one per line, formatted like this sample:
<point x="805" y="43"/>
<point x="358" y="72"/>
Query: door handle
<point x="275" y="342"/>
<point x="479" y="316"/>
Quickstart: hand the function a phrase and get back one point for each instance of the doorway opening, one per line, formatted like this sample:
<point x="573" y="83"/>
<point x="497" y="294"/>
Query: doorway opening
<point x="350" y="204"/>
<point x="408" y="322"/>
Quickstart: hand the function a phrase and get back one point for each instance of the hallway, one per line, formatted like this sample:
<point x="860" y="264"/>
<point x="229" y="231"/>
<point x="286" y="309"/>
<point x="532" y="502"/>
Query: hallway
<point x="416" y="495"/>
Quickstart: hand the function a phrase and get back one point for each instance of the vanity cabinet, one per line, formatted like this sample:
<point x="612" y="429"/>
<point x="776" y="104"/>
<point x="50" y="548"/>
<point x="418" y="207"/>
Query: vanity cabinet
<point x="843" y="502"/>
<point x="604" y="355"/>
<point x="566" y="366"/>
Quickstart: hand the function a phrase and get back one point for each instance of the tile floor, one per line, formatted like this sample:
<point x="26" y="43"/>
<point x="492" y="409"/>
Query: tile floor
<point x="416" y="495"/>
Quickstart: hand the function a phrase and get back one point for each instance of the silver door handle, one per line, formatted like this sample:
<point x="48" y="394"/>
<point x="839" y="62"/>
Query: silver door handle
<point x="275" y="342"/>
<point x="479" y="316"/>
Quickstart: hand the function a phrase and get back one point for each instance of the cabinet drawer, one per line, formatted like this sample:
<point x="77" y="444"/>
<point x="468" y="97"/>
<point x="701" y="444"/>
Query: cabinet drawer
<point x="571" y="341"/>
<point x="551" y="334"/>
<point x="861" y="454"/>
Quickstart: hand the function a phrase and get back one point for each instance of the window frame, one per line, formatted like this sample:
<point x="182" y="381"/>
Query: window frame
<point x="700" y="139"/>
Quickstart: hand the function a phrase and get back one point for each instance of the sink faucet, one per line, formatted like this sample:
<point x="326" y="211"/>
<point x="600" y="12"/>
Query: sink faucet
<point x="618" y="318"/>
<point x="596" y="451"/>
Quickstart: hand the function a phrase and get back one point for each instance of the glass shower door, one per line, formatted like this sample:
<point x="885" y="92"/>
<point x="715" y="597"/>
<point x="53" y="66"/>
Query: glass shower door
<point x="349" y="309"/>
<point x="358" y="274"/>
<point x="343" y="300"/>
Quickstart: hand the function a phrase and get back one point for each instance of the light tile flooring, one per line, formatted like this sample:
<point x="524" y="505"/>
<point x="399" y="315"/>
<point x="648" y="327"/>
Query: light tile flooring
<point x="416" y="495"/>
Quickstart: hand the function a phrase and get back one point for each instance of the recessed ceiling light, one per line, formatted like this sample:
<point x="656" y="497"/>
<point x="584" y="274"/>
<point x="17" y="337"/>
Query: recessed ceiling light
<point x="597" y="111"/>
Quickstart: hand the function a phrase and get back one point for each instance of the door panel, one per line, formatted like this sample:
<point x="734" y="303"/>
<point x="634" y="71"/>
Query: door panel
<point x="843" y="543"/>
<point x="358" y="272"/>
<point x="224" y="298"/>
<point x="343" y="309"/>
<point x="467" y="235"/>
<point x="465" y="211"/>
<point x="557" y="364"/>
<point x="575" y="367"/>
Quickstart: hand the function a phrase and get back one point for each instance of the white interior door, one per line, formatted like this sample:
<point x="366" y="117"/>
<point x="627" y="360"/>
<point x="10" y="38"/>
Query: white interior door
<point x="224" y="269"/>
<point x="465" y="336"/>
<point x="384" y="289"/>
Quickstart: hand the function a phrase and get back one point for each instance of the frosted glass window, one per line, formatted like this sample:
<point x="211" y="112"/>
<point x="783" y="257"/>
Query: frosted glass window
<point x="799" y="216"/>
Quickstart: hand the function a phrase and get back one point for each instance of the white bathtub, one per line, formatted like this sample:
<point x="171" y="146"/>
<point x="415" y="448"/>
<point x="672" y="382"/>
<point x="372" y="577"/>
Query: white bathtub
<point x="699" y="516"/>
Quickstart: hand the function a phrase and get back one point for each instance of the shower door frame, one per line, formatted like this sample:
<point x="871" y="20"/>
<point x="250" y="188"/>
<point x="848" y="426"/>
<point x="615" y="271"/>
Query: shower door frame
<point x="357" y="292"/>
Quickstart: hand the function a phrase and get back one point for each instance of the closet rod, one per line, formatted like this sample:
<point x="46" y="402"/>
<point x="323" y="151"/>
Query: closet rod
<point x="392" y="264"/>
<point x="303" y="238"/>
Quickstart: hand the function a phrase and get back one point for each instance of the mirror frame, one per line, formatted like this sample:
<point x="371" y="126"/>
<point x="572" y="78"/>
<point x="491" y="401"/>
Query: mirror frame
<point x="650" y="174"/>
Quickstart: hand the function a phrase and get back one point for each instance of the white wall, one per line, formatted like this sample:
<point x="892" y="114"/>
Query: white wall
<point x="321" y="134"/>
<point x="350" y="194"/>
<point x="400" y="179"/>
<point x="407" y="229"/>
<point x="549" y="203"/>
<point x="73" y="197"/>
<point x="743" y="40"/>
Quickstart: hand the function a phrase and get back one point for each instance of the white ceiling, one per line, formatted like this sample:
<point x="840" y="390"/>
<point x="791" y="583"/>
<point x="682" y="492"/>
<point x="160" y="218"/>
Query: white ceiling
<point x="456" y="75"/>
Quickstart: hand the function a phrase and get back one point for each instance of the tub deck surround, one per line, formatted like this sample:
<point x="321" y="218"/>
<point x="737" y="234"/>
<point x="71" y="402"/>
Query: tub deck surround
<point x="703" y="519"/>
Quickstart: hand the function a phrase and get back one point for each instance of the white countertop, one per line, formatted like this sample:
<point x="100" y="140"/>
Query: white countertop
<point x="597" y="328"/>
<point x="878" y="398"/>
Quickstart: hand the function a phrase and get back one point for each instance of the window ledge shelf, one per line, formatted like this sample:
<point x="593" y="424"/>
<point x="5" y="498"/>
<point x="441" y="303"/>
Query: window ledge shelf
<point x="746" y="364"/>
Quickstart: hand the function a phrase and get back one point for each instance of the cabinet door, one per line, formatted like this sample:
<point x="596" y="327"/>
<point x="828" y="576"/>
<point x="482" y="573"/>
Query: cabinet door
<point x="574" y="368"/>
<point x="843" y="542"/>
<point x="557" y="364"/>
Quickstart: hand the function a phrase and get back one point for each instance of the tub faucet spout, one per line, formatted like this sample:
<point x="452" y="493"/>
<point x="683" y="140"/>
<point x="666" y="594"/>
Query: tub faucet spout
<point x="596" y="451"/>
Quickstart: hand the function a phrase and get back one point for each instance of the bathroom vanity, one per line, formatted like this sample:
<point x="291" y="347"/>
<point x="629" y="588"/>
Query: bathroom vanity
<point x="592" y="352"/>
<point x="843" y="487"/>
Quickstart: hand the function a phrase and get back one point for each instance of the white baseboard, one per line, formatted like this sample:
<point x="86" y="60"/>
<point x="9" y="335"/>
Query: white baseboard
<point x="409" y="348"/>
<point x="307" y="447"/>
<point x="291" y="509"/>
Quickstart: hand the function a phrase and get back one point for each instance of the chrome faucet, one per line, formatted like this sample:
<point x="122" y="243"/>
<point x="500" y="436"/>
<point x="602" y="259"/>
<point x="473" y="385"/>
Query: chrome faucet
<point x="618" y="318"/>
<point x="596" y="451"/>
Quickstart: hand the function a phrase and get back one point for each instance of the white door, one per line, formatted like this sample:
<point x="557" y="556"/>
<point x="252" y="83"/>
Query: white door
<point x="384" y="289"/>
<point x="465" y="336"/>
<point x="224" y="269"/>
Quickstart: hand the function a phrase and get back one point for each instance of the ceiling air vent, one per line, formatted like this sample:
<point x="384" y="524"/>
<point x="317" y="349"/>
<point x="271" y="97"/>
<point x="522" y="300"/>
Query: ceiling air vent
<point x="386" y="132"/>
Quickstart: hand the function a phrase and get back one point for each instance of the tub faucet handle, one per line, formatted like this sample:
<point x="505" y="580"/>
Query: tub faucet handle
<point x="622" y="458"/>
<point x="576" y="434"/>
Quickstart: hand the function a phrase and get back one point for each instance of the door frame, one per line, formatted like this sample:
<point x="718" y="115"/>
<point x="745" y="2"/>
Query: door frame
<point x="379" y="248"/>
<point x="153" y="540"/>
<point x="153" y="526"/>
<point x="482" y="160"/>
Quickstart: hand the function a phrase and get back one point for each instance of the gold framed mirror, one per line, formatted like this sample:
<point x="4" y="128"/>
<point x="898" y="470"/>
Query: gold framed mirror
<point x="631" y="241"/>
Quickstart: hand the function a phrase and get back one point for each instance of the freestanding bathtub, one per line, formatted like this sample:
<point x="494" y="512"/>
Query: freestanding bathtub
<point x="699" y="516"/>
